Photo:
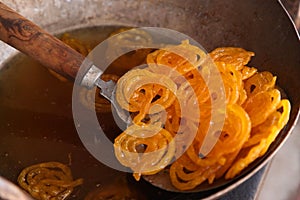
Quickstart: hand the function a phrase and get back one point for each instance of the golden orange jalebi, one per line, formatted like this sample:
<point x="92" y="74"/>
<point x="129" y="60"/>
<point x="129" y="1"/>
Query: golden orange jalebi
<point x="235" y="132"/>
<point x="145" y="149"/>
<point x="261" y="138"/>
<point x="182" y="59"/>
<point x="175" y="85"/>
<point x="236" y="57"/>
<point x="266" y="101"/>
<point x="51" y="180"/>
<point x="139" y="90"/>
<point x="262" y="81"/>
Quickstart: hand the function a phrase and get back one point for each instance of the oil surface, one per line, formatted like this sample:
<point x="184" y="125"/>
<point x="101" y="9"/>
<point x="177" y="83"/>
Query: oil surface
<point x="36" y="125"/>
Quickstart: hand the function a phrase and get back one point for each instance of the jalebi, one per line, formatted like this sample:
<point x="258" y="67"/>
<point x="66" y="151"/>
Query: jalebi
<point x="177" y="82"/>
<point x="262" y="138"/>
<point x="145" y="149"/>
<point x="51" y="180"/>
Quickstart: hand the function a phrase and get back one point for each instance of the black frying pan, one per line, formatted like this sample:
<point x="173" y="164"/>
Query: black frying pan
<point x="260" y="26"/>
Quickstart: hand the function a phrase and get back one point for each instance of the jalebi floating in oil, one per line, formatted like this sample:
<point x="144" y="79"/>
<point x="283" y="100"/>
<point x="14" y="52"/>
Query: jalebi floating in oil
<point x="51" y="180"/>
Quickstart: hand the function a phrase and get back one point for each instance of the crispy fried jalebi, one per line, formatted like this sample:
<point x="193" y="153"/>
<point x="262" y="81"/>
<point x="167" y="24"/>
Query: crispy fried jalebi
<point x="186" y="175"/>
<point x="139" y="90"/>
<point x="232" y="80"/>
<point x="235" y="132"/>
<point x="262" y="138"/>
<point x="261" y="105"/>
<point x="145" y="149"/>
<point x="237" y="57"/>
<point x="247" y="72"/>
<point x="177" y="80"/>
<point x="191" y="170"/>
<point x="276" y="119"/>
<point x="259" y="82"/>
<point x="51" y="180"/>
<point x="182" y="59"/>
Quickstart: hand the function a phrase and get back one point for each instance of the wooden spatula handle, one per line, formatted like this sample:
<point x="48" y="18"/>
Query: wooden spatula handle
<point x="29" y="38"/>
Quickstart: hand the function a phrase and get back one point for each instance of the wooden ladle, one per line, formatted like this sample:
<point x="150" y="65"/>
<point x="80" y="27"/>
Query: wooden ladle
<point x="29" y="38"/>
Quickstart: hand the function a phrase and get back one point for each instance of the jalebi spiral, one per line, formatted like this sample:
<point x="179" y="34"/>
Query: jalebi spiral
<point x="51" y="180"/>
<point x="175" y="85"/>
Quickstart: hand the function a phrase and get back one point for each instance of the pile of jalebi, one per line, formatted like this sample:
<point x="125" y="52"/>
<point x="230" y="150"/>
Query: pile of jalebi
<point x="254" y="115"/>
<point x="51" y="180"/>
